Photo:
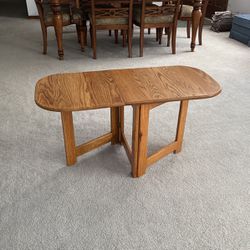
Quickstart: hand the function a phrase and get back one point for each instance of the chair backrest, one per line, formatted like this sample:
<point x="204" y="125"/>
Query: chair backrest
<point x="160" y="8"/>
<point x="41" y="3"/>
<point x="40" y="8"/>
<point x="204" y="4"/>
<point x="101" y="9"/>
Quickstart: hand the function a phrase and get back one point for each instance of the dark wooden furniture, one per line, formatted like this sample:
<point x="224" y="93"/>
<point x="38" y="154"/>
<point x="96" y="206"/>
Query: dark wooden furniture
<point x="58" y="24"/>
<point x="59" y="13"/>
<point x="144" y="89"/>
<point x="114" y="15"/>
<point x="186" y="11"/>
<point x="216" y="5"/>
<point x="160" y="15"/>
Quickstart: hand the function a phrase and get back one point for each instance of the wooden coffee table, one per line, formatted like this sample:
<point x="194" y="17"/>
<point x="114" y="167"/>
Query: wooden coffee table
<point x="143" y="88"/>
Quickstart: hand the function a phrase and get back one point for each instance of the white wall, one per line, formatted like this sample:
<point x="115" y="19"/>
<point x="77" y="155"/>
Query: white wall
<point x="242" y="6"/>
<point x="31" y="6"/>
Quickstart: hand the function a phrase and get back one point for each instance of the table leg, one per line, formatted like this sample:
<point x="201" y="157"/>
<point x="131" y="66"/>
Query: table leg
<point x="69" y="137"/>
<point x="121" y="123"/>
<point x="181" y="125"/>
<point x="58" y="26"/>
<point x="140" y="139"/>
<point x="196" y="16"/>
<point x="114" y="117"/>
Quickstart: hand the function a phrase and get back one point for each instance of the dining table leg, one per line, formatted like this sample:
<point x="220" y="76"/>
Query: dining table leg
<point x="196" y="16"/>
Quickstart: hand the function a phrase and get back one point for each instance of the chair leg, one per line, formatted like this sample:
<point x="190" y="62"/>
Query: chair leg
<point x="200" y="30"/>
<point x="110" y="33"/>
<point x="188" y="28"/>
<point x="58" y="26"/>
<point x="78" y="33"/>
<point x="169" y="37"/>
<point x="196" y="18"/>
<point x="200" y="35"/>
<point x="90" y="33"/>
<point x="82" y="31"/>
<point x="174" y="27"/>
<point x="141" y="41"/>
<point x="157" y="34"/>
<point x="166" y="31"/>
<point x="129" y="34"/>
<point x="124" y="35"/>
<point x="149" y="31"/>
<point x="116" y="36"/>
<point x="94" y="42"/>
<point x="45" y="42"/>
<point x="85" y="35"/>
<point x="160" y="35"/>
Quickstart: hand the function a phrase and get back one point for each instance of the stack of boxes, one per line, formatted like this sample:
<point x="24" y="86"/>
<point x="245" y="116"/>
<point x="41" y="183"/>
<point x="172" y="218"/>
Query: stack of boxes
<point x="241" y="28"/>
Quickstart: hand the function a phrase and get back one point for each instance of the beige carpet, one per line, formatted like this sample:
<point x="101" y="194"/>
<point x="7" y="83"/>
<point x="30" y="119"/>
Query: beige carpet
<point x="198" y="199"/>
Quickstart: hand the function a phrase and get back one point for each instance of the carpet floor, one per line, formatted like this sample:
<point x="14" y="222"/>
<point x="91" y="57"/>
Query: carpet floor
<point x="198" y="199"/>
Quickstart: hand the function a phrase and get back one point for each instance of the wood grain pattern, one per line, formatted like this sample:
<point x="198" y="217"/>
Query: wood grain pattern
<point x="165" y="84"/>
<point x="80" y="91"/>
<point x="114" y="88"/>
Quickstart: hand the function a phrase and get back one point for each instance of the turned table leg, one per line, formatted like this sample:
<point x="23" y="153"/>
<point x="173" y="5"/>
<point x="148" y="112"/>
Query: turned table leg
<point x="58" y="26"/>
<point x="69" y="137"/>
<point x="196" y="16"/>
<point x="140" y="139"/>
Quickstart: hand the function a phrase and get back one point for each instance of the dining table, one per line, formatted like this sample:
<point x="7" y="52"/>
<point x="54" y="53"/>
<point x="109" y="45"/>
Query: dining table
<point x="58" y="20"/>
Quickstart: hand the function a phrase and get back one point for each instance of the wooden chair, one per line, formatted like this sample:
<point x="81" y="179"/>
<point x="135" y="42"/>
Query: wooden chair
<point x="85" y="6"/>
<point x="109" y="17"/>
<point x="186" y="11"/>
<point x="160" y="15"/>
<point x="68" y="13"/>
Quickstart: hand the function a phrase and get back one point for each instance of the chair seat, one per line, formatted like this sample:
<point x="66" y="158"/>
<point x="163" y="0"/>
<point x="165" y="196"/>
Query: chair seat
<point x="110" y="21"/>
<point x="66" y="17"/>
<point x="186" y="11"/>
<point x="151" y="19"/>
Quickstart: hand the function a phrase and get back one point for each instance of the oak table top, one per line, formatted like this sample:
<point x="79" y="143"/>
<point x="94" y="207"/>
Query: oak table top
<point x="115" y="88"/>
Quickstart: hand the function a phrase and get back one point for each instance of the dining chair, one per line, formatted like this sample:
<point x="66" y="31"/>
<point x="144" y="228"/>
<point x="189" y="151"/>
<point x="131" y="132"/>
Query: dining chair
<point x="110" y="17"/>
<point x="159" y="15"/>
<point x="70" y="14"/>
<point x="186" y="11"/>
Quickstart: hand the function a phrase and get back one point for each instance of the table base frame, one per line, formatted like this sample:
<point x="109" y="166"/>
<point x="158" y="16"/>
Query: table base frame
<point x="138" y="154"/>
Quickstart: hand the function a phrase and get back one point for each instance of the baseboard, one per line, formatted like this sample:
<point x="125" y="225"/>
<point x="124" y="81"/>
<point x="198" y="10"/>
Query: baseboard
<point x="33" y="17"/>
